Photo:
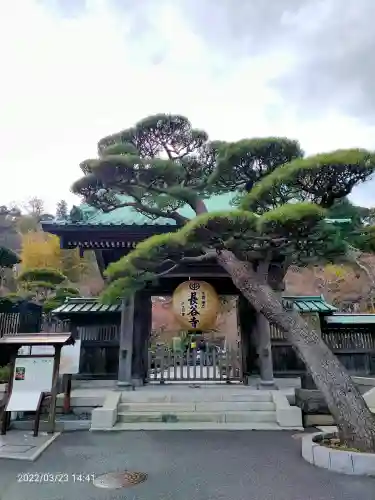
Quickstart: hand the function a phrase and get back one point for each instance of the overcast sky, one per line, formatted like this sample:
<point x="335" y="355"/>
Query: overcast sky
<point x="74" y="71"/>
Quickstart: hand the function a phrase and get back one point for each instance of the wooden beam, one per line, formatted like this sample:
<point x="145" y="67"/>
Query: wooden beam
<point x="4" y="413"/>
<point x="54" y="390"/>
<point x="100" y="261"/>
<point x="126" y="342"/>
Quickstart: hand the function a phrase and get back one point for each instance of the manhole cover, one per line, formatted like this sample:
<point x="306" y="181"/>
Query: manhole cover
<point x="117" y="480"/>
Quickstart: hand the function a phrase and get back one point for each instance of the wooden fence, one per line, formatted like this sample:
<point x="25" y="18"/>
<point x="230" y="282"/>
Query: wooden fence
<point x="9" y="323"/>
<point x="354" y="346"/>
<point x="99" y="347"/>
<point x="99" y="351"/>
<point x="166" y="365"/>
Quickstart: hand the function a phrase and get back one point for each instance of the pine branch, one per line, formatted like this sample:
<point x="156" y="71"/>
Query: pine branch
<point x="210" y="254"/>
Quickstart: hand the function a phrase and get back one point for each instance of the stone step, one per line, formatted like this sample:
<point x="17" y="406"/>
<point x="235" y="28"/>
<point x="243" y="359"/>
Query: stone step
<point x="196" y="396"/>
<point x="185" y="416"/>
<point x="197" y="426"/>
<point x="211" y="406"/>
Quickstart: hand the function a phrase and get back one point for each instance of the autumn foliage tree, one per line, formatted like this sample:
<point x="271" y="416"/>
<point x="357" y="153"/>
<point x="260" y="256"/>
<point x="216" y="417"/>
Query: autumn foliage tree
<point x="163" y="164"/>
<point x="41" y="250"/>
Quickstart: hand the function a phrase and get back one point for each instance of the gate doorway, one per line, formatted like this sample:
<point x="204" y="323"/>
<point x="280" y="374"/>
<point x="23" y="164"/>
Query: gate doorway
<point x="176" y="355"/>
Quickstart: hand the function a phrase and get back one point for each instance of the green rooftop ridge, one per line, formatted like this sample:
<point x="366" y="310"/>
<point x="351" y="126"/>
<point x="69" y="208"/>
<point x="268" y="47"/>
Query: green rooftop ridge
<point x="85" y="215"/>
<point x="84" y="305"/>
<point x="128" y="216"/>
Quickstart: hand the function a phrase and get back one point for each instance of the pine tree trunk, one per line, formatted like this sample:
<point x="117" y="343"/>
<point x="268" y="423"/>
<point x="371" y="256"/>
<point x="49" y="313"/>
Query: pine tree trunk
<point x="355" y="422"/>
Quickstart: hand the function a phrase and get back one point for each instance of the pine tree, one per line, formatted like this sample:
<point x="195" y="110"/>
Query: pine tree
<point x="162" y="164"/>
<point x="62" y="210"/>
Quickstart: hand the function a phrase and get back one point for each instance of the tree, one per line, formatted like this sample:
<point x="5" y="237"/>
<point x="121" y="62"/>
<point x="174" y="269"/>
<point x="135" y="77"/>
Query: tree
<point x="360" y="230"/>
<point x="343" y="208"/>
<point x="47" y="286"/>
<point x="62" y="210"/>
<point x="8" y="259"/>
<point x="9" y="237"/>
<point x="35" y="207"/>
<point x="345" y="285"/>
<point x="61" y="294"/>
<point x="40" y="250"/>
<point x="162" y="164"/>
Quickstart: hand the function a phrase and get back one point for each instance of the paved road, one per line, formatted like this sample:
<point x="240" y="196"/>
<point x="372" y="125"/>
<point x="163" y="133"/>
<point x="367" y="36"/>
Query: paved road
<point x="213" y="465"/>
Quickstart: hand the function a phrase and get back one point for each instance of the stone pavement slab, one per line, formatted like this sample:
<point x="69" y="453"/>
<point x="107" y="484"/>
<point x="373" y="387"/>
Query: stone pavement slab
<point x="327" y="428"/>
<point x="194" y="465"/>
<point x="22" y="445"/>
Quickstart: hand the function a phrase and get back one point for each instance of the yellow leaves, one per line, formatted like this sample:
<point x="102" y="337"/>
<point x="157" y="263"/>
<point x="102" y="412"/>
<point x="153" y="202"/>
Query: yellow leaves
<point x="42" y="250"/>
<point x="39" y="250"/>
<point x="339" y="272"/>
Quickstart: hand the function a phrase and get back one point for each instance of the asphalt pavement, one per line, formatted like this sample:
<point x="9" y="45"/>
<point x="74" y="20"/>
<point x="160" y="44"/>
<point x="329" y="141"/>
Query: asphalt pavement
<point x="189" y="465"/>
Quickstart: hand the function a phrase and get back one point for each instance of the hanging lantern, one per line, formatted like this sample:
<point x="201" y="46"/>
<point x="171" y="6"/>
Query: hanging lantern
<point x="196" y="305"/>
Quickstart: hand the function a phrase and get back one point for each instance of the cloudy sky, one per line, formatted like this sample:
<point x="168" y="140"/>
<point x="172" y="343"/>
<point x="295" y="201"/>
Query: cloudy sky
<point x="74" y="71"/>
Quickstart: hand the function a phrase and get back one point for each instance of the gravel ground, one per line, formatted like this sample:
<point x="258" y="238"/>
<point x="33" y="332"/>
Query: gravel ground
<point x="205" y="465"/>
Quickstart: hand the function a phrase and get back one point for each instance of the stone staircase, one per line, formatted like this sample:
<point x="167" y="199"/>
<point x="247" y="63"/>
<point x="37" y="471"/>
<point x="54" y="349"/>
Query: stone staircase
<point x="203" y="408"/>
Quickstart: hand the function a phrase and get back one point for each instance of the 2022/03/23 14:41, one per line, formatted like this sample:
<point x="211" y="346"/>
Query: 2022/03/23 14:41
<point x="55" y="477"/>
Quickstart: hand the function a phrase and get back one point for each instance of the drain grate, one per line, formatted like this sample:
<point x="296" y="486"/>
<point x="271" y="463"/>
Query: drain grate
<point x="117" y="480"/>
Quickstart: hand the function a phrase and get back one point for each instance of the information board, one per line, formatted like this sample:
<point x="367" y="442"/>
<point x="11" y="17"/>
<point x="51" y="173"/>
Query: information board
<point x="70" y="356"/>
<point x="31" y="377"/>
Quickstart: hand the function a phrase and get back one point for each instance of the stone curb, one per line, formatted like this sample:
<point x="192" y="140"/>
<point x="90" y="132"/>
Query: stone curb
<point x="344" y="462"/>
<point x="61" y="426"/>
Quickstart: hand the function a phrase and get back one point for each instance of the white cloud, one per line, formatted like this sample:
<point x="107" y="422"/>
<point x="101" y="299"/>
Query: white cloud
<point x="66" y="82"/>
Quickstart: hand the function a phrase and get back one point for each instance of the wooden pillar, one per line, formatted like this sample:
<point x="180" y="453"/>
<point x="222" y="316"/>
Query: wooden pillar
<point x="54" y="390"/>
<point x="67" y="379"/>
<point x="4" y="414"/>
<point x="246" y="315"/>
<point x="141" y="335"/>
<point x="134" y="338"/>
<point x="264" y="351"/>
<point x="263" y="330"/>
<point x="126" y="343"/>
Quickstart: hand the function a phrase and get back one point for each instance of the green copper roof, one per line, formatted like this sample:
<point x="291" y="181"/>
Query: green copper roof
<point x="315" y="304"/>
<point x="351" y="319"/>
<point x="310" y="304"/>
<point x="128" y="216"/>
<point x="338" y="221"/>
<point x="85" y="305"/>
